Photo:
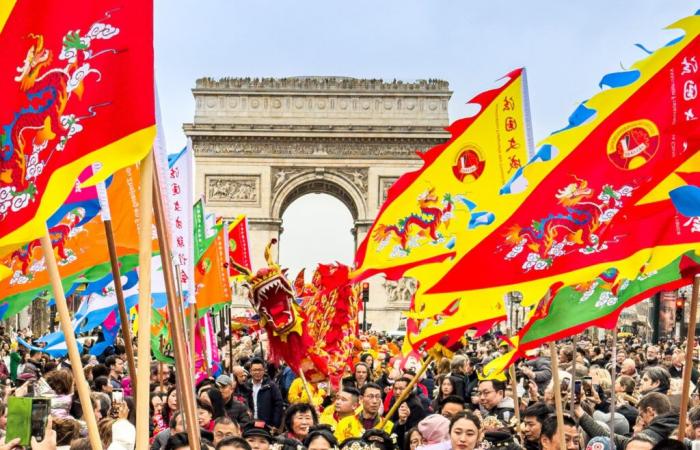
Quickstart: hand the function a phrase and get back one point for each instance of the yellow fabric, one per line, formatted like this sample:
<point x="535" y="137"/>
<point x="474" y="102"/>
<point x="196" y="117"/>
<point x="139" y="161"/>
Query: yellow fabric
<point x="297" y="393"/>
<point x="489" y="136"/>
<point x="351" y="427"/>
<point x="114" y="156"/>
<point x="5" y="10"/>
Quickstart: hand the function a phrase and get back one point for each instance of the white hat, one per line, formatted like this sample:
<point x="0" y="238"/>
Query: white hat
<point x="123" y="435"/>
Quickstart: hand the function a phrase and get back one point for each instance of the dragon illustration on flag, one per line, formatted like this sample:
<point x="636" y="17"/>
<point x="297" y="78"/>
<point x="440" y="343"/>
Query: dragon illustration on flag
<point x="78" y="90"/>
<point x="45" y="124"/>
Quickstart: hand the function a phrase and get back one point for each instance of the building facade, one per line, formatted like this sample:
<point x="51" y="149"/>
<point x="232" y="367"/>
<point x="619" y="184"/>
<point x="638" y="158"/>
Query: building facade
<point x="260" y="144"/>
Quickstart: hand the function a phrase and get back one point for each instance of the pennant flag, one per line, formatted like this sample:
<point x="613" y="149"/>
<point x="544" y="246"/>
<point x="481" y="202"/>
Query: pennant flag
<point x="594" y="304"/>
<point x="77" y="89"/>
<point x="451" y="203"/>
<point x="238" y="246"/>
<point x="206" y="351"/>
<point x="579" y="218"/>
<point x="180" y="176"/>
<point x="81" y="247"/>
<point x="57" y="350"/>
<point x="211" y="278"/>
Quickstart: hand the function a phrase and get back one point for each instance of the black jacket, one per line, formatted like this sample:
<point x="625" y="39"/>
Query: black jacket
<point x="239" y="412"/>
<point x="269" y="403"/>
<point x="417" y="411"/>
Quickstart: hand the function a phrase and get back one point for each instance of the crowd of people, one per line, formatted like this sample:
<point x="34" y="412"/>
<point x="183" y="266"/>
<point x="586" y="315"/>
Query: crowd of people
<point x="256" y="404"/>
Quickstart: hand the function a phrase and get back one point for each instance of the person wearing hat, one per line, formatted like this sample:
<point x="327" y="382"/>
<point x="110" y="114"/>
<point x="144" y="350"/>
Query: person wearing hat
<point x="236" y="407"/>
<point x="258" y="435"/>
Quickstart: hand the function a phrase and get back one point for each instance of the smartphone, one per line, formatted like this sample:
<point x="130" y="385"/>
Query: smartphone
<point x="564" y="385"/>
<point x="40" y="415"/>
<point x="577" y="388"/>
<point x="117" y="396"/>
<point x="27" y="417"/>
<point x="588" y="386"/>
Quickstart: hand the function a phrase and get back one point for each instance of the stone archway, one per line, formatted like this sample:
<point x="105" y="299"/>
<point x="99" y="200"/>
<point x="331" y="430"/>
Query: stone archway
<point x="262" y="143"/>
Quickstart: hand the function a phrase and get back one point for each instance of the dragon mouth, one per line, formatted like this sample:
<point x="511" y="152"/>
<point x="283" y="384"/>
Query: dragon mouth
<point x="273" y="299"/>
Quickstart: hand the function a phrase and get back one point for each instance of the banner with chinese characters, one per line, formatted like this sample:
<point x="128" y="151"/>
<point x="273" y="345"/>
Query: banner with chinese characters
<point x="179" y="195"/>
<point x="585" y="214"/>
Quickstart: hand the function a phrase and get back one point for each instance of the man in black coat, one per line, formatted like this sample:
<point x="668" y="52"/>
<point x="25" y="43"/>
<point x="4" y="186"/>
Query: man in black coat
<point x="265" y="398"/>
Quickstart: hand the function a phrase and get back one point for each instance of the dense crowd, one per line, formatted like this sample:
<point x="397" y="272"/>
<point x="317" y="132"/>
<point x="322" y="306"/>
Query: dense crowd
<point x="258" y="405"/>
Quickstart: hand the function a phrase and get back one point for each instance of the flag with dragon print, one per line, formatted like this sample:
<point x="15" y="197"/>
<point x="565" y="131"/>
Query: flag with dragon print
<point x="594" y="304"/>
<point x="585" y="214"/>
<point x="449" y="204"/>
<point x="78" y="88"/>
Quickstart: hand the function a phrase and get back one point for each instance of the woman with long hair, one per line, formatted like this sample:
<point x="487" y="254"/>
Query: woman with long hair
<point x="446" y="387"/>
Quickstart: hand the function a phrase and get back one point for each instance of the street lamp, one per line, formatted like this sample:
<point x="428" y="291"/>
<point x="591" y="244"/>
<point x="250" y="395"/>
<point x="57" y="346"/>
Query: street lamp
<point x="365" y="300"/>
<point x="515" y="298"/>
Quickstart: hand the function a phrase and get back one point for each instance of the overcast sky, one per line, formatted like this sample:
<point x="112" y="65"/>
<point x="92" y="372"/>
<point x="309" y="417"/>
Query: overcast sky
<point x="566" y="47"/>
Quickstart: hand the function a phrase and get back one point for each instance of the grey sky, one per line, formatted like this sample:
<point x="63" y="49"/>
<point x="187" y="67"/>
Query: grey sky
<point x="566" y="46"/>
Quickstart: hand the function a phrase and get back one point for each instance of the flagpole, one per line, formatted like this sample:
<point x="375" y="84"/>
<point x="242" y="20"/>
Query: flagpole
<point x="514" y="387"/>
<point x="572" y="406"/>
<point x="123" y="314"/>
<point x="71" y="343"/>
<point x="406" y="392"/>
<point x="144" y="320"/>
<point x="557" y="394"/>
<point x="613" y="376"/>
<point x="160" y="363"/>
<point x="174" y="308"/>
<point x="306" y="387"/>
<point x="230" y="340"/>
<point x="689" y="349"/>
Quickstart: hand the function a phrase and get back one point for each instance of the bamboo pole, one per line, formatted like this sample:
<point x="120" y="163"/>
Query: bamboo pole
<point x="689" y="349"/>
<point x="177" y="322"/>
<point x="160" y="364"/>
<point x="572" y="405"/>
<point x="144" y="321"/>
<point x="613" y="376"/>
<point x="123" y="314"/>
<point x="514" y="387"/>
<point x="306" y="387"/>
<point x="71" y="343"/>
<point x="230" y="341"/>
<point x="557" y="395"/>
<point x="405" y="392"/>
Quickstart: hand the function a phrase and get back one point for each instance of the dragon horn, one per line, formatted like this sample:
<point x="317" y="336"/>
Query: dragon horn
<point x="241" y="269"/>
<point x="268" y="253"/>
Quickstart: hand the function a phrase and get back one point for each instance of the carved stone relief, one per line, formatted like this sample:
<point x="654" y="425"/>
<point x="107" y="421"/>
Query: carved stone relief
<point x="236" y="189"/>
<point x="356" y="176"/>
<point x="384" y="185"/>
<point x="401" y="291"/>
<point x="404" y="149"/>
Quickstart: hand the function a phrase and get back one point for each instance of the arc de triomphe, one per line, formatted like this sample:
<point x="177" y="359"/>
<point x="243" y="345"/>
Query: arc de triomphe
<point x="260" y="144"/>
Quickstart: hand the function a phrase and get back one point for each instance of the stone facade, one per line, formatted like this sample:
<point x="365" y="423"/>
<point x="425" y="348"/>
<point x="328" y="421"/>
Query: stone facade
<point x="262" y="143"/>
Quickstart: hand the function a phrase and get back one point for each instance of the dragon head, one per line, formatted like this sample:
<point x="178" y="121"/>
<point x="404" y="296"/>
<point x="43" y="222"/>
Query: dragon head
<point x="37" y="57"/>
<point x="574" y="193"/>
<point x="428" y="197"/>
<point x="271" y="294"/>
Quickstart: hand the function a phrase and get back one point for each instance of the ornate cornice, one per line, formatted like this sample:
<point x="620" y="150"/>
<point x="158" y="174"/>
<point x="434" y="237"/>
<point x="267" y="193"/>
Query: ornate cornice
<point x="311" y="147"/>
<point x="332" y="84"/>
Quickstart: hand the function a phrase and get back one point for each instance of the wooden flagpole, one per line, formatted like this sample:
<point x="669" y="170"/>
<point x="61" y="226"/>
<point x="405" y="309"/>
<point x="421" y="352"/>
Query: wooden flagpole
<point x="689" y="350"/>
<point x="71" y="343"/>
<point x="144" y="320"/>
<point x="123" y="314"/>
<point x="572" y="405"/>
<point x="557" y="395"/>
<point x="405" y="392"/>
<point x="613" y="376"/>
<point x="230" y="340"/>
<point x="177" y="321"/>
<point x="306" y="387"/>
